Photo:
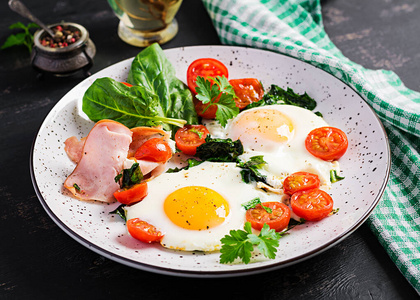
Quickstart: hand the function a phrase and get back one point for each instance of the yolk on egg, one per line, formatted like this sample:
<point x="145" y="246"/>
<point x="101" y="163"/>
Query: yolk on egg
<point x="196" y="208"/>
<point x="268" y="124"/>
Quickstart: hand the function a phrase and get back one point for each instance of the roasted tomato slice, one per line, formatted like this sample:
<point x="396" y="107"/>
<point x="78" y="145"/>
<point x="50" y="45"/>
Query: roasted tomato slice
<point x="247" y="90"/>
<point x="312" y="205"/>
<point x="133" y="194"/>
<point x="278" y="219"/>
<point x="300" y="181"/>
<point x="143" y="231"/>
<point x="205" y="67"/>
<point x="327" y="143"/>
<point x="155" y="149"/>
<point x="189" y="137"/>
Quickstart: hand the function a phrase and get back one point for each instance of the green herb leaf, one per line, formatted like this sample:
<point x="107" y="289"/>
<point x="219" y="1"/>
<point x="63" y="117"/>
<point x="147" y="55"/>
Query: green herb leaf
<point x="120" y="211"/>
<point x="251" y="203"/>
<point x="294" y="223"/>
<point x="18" y="25"/>
<point x="198" y="132"/>
<point x="77" y="187"/>
<point x="14" y="40"/>
<point x="250" y="168"/>
<point x="334" y="177"/>
<point x="23" y="38"/>
<point x="219" y="150"/>
<point x="191" y="163"/>
<point x="222" y="92"/>
<point x="267" y="241"/>
<point x="254" y="202"/>
<point x="241" y="243"/>
<point x="130" y="177"/>
<point x="277" y="95"/>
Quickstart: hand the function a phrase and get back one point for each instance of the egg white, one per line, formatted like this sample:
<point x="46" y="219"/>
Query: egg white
<point x="285" y="158"/>
<point x="224" y="178"/>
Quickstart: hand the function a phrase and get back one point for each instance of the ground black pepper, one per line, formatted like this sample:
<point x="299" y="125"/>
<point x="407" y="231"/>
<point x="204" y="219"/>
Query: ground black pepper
<point x="64" y="35"/>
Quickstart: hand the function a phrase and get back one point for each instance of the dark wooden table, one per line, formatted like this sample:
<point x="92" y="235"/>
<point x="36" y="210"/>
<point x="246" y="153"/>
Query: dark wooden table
<point x="39" y="261"/>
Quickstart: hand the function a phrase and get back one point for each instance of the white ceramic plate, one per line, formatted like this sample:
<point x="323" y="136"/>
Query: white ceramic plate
<point x="365" y="167"/>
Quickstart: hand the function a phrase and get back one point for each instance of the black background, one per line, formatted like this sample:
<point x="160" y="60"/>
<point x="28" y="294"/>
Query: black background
<point x="39" y="261"/>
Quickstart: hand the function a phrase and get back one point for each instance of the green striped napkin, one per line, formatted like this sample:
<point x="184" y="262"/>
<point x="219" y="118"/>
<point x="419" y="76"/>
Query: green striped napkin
<point x="294" y="28"/>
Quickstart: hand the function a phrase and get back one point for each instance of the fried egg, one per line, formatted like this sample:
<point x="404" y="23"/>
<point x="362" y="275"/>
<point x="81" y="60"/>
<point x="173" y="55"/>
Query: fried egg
<point x="277" y="132"/>
<point x="196" y="208"/>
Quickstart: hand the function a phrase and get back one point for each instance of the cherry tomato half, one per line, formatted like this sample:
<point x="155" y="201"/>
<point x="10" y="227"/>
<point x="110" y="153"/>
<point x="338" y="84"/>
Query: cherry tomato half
<point x="188" y="138"/>
<point x="312" y="205"/>
<point x="133" y="194"/>
<point x="277" y="220"/>
<point x="327" y="143"/>
<point x="203" y="111"/>
<point x="300" y="181"/>
<point x="205" y="67"/>
<point x="143" y="231"/>
<point x="247" y="90"/>
<point x="155" y="149"/>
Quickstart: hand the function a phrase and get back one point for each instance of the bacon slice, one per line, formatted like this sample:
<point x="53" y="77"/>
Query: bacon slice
<point x="74" y="148"/>
<point x="104" y="152"/>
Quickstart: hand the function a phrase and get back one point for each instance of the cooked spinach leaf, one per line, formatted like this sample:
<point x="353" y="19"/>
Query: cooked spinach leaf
<point x="220" y="150"/>
<point x="191" y="163"/>
<point x="277" y="95"/>
<point x="120" y="211"/>
<point x="250" y="168"/>
<point x="130" y="177"/>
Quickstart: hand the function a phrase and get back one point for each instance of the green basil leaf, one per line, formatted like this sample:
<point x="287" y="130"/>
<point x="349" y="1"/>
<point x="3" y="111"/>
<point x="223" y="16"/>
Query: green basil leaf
<point x="14" y="40"/>
<point x="18" y="25"/>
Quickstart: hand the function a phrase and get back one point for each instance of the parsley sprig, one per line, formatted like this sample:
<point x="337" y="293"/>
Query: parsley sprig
<point x="241" y="243"/>
<point x="22" y="38"/>
<point x="219" y="93"/>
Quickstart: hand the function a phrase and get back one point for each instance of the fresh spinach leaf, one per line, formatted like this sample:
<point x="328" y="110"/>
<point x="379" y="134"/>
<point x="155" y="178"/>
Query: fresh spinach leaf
<point x="133" y="106"/>
<point x="152" y="70"/>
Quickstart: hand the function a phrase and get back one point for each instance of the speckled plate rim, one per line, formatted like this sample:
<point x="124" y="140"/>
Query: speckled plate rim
<point x="211" y="274"/>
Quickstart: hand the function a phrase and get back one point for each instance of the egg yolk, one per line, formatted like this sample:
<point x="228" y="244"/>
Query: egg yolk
<point x="267" y="124"/>
<point x="196" y="208"/>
